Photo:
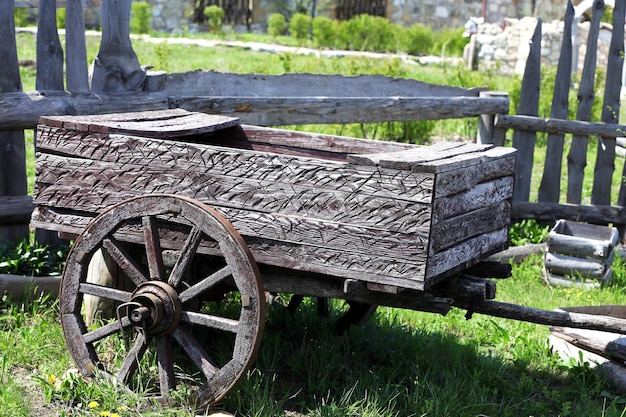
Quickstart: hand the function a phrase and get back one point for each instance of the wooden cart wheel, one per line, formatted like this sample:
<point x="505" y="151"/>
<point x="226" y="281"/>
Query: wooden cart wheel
<point x="157" y="317"/>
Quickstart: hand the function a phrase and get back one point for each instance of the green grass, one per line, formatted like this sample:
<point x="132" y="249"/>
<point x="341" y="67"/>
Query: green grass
<point x="399" y="363"/>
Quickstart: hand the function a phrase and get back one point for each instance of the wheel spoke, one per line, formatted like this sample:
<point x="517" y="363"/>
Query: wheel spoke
<point x="153" y="248"/>
<point x="131" y="362"/>
<point x="210" y="321"/>
<point x="195" y="351"/>
<point x="165" y="359"/>
<point x="104" y="292"/>
<point x="208" y="282"/>
<point x="124" y="260"/>
<point x="106" y="330"/>
<point x="186" y="255"/>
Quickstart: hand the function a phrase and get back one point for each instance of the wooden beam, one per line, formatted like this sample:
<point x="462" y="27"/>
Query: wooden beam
<point x="34" y="4"/>
<point x="559" y="126"/>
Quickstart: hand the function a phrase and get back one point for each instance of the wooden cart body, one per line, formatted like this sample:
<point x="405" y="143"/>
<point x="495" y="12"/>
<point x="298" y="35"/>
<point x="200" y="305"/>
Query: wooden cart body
<point x="380" y="212"/>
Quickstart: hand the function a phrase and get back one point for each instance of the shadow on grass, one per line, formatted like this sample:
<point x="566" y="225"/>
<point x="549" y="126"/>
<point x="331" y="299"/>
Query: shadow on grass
<point x="386" y="368"/>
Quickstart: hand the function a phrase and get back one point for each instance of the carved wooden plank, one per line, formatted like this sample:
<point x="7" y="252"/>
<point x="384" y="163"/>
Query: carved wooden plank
<point x="160" y="124"/>
<point x="524" y="142"/>
<point x="549" y="189"/>
<point x="194" y="159"/>
<point x="577" y="156"/>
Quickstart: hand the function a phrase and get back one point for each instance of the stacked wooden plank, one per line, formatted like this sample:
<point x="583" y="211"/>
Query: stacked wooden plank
<point x="380" y="212"/>
<point x="579" y="254"/>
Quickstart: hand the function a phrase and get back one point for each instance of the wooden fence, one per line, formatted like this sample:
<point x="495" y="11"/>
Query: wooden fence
<point x="571" y="135"/>
<point x="119" y="84"/>
<point x="347" y="9"/>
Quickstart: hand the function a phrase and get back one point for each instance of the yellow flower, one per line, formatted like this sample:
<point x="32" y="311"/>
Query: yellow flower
<point x="105" y="413"/>
<point x="93" y="404"/>
<point x="115" y="415"/>
<point x="52" y="379"/>
<point x="122" y="408"/>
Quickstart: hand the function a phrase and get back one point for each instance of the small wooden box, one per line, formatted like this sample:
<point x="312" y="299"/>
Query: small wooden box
<point x="381" y="212"/>
<point x="579" y="254"/>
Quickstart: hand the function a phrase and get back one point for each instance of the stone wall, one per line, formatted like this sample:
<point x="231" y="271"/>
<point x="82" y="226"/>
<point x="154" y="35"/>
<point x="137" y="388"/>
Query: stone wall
<point x="507" y="48"/>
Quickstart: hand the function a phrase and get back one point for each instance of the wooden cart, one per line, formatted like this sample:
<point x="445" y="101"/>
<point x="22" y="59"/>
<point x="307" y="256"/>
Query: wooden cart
<point x="204" y="217"/>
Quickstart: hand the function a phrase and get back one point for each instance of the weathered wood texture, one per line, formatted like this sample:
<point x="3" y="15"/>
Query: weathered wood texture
<point x="410" y="215"/>
<point x="12" y="147"/>
<point x="547" y="206"/>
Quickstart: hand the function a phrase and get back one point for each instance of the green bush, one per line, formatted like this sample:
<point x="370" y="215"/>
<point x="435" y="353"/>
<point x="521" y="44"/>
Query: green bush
<point x="299" y="26"/>
<point x="276" y="24"/>
<point x="419" y="40"/>
<point x="368" y="33"/>
<point x="449" y="42"/>
<point x="61" y="18"/>
<point x="20" y="14"/>
<point x="24" y="258"/>
<point x="140" y="17"/>
<point x="215" y="15"/>
<point x="324" y="30"/>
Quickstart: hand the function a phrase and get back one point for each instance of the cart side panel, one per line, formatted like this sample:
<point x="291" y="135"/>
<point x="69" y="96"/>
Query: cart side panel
<point x="407" y="218"/>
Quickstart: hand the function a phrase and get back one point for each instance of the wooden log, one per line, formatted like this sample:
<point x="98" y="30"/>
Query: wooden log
<point x="19" y="287"/>
<point x="575" y="267"/>
<point x="13" y="153"/>
<point x="22" y="110"/>
<point x="15" y="209"/>
<point x="33" y="4"/>
<point x="524" y="142"/>
<point x="577" y="212"/>
<point x="559" y="126"/>
<point x="545" y="317"/>
<point x="517" y="254"/>
<point x="549" y="189"/>
<point x="577" y="156"/>
<point x="487" y="132"/>
<point x="116" y="67"/>
<point x="607" y="345"/>
<point x="277" y="111"/>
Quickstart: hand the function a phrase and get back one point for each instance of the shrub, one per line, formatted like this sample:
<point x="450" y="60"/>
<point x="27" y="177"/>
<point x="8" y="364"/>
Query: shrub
<point x="449" y="42"/>
<point x="20" y="14"/>
<point x="324" y="30"/>
<point x="215" y="15"/>
<point x="419" y="40"/>
<point x="368" y="33"/>
<point x="299" y="26"/>
<point x="140" y="17"/>
<point x="276" y="24"/>
<point x="61" y="18"/>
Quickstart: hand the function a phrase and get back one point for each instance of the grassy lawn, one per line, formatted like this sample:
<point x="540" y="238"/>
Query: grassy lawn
<point x="399" y="363"/>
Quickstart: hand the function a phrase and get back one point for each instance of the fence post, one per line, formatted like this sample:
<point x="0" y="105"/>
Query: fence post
<point x="12" y="148"/>
<point x="116" y="67"/>
<point x="487" y="132"/>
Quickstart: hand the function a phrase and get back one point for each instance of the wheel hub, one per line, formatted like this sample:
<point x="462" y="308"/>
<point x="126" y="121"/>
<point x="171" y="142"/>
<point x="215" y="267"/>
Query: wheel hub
<point x="154" y="308"/>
